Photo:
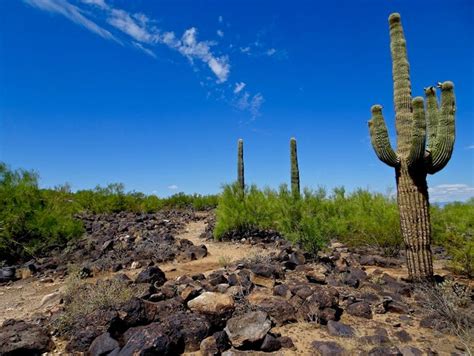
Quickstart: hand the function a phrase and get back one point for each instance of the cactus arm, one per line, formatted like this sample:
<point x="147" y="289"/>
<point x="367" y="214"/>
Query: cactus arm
<point x="417" y="150"/>
<point x="441" y="153"/>
<point x="401" y="86"/>
<point x="379" y="138"/>
<point x="431" y="116"/>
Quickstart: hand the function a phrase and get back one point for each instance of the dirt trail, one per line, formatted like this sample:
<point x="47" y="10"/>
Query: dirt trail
<point x="218" y="253"/>
<point x="23" y="298"/>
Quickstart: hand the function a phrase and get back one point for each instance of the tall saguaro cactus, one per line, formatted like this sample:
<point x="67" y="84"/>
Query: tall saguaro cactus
<point x="240" y="164"/>
<point x="425" y="140"/>
<point x="295" y="172"/>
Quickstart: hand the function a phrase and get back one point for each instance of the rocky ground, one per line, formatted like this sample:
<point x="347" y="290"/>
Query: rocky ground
<point x="145" y="284"/>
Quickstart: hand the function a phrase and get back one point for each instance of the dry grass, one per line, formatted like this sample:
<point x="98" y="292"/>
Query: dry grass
<point x="450" y="306"/>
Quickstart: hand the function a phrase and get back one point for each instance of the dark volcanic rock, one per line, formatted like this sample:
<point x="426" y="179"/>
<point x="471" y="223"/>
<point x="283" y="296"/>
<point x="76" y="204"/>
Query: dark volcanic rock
<point x="270" y="344"/>
<point x="151" y="339"/>
<point x="20" y="338"/>
<point x="336" y="328"/>
<point x="280" y="311"/>
<point x="248" y="328"/>
<point x="153" y="275"/>
<point x="329" y="348"/>
<point x="102" y="345"/>
<point x="360" y="309"/>
<point x="7" y="274"/>
<point x="193" y="328"/>
<point x="384" y="351"/>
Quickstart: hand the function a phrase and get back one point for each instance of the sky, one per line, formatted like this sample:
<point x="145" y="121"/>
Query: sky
<point x="155" y="94"/>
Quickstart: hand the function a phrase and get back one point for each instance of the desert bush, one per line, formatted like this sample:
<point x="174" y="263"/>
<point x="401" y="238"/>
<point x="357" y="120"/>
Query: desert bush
<point x="32" y="220"/>
<point x="361" y="218"/>
<point x="82" y="298"/>
<point x="449" y="307"/>
<point x="453" y="228"/>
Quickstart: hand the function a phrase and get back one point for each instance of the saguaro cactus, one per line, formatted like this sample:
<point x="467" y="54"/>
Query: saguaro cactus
<point x="295" y="172"/>
<point x="424" y="146"/>
<point x="240" y="164"/>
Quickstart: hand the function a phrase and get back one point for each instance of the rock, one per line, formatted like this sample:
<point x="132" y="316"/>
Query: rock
<point x="212" y="303"/>
<point x="193" y="328"/>
<point x="209" y="347"/>
<point x="411" y="351"/>
<point x="360" y="309"/>
<point x="85" y="272"/>
<point x="153" y="275"/>
<point x="136" y="265"/>
<point x="282" y="290"/>
<point x="329" y="348"/>
<point x="148" y="340"/>
<point x="376" y="339"/>
<point x="262" y="281"/>
<point x="403" y="336"/>
<point x="384" y="351"/>
<point x="50" y="299"/>
<point x="336" y="328"/>
<point x="286" y="342"/>
<point x="316" y="277"/>
<point x="7" y="274"/>
<point x="263" y="269"/>
<point x="248" y="328"/>
<point x="18" y="337"/>
<point x="102" y="345"/>
<point x="216" y="277"/>
<point x="279" y="310"/>
<point x="297" y="258"/>
<point x="270" y="344"/>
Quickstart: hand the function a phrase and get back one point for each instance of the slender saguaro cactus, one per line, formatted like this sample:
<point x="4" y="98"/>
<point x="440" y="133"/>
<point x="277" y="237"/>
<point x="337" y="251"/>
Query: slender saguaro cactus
<point x="295" y="172"/>
<point x="425" y="140"/>
<point x="240" y="164"/>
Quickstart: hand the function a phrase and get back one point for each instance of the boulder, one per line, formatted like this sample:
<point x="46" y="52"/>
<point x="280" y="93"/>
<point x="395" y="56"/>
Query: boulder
<point x="102" y="345"/>
<point x="329" y="348"/>
<point x="148" y="340"/>
<point x="384" y="351"/>
<point x="270" y="344"/>
<point x="247" y="329"/>
<point x="153" y="275"/>
<point x="212" y="303"/>
<point x="7" y="274"/>
<point x="193" y="328"/>
<point x="360" y="309"/>
<point x="336" y="328"/>
<point x="18" y="337"/>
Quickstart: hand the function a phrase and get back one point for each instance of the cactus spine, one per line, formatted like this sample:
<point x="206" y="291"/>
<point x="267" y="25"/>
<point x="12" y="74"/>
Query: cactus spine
<point x="240" y="164"/>
<point x="425" y="141"/>
<point x="295" y="173"/>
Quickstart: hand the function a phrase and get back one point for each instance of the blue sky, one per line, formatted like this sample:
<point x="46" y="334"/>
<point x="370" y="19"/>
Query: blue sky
<point x="155" y="94"/>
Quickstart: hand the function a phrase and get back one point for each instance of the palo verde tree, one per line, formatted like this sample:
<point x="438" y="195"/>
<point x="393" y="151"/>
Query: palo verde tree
<point x="295" y="173"/>
<point x="425" y="140"/>
<point x="240" y="164"/>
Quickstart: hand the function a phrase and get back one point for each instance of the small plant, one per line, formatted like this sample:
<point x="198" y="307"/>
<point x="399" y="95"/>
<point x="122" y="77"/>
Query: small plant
<point x="225" y="261"/>
<point x="82" y="298"/>
<point x="449" y="305"/>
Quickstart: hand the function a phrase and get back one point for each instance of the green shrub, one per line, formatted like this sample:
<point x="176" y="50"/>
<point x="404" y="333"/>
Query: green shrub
<point x="453" y="228"/>
<point x="31" y="219"/>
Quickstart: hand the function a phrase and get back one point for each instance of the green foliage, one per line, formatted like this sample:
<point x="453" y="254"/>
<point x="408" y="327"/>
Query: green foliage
<point x="361" y="218"/>
<point x="32" y="219"/>
<point x="453" y="228"/>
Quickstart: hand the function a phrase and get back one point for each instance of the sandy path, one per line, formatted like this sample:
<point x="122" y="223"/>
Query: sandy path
<point x="23" y="298"/>
<point x="217" y="253"/>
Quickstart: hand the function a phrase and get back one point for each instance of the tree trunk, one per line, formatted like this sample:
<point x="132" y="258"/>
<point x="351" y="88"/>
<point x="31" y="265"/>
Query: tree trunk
<point x="413" y="205"/>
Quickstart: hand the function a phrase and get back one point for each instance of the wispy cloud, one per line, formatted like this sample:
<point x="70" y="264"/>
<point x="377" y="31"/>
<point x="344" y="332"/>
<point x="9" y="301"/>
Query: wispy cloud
<point x="173" y="187"/>
<point x="470" y="147"/>
<point x="238" y="87"/>
<point x="137" y="30"/>
<point x="451" y="192"/>
<point x="271" y="52"/>
<point x="73" y="13"/>
<point x="250" y="103"/>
